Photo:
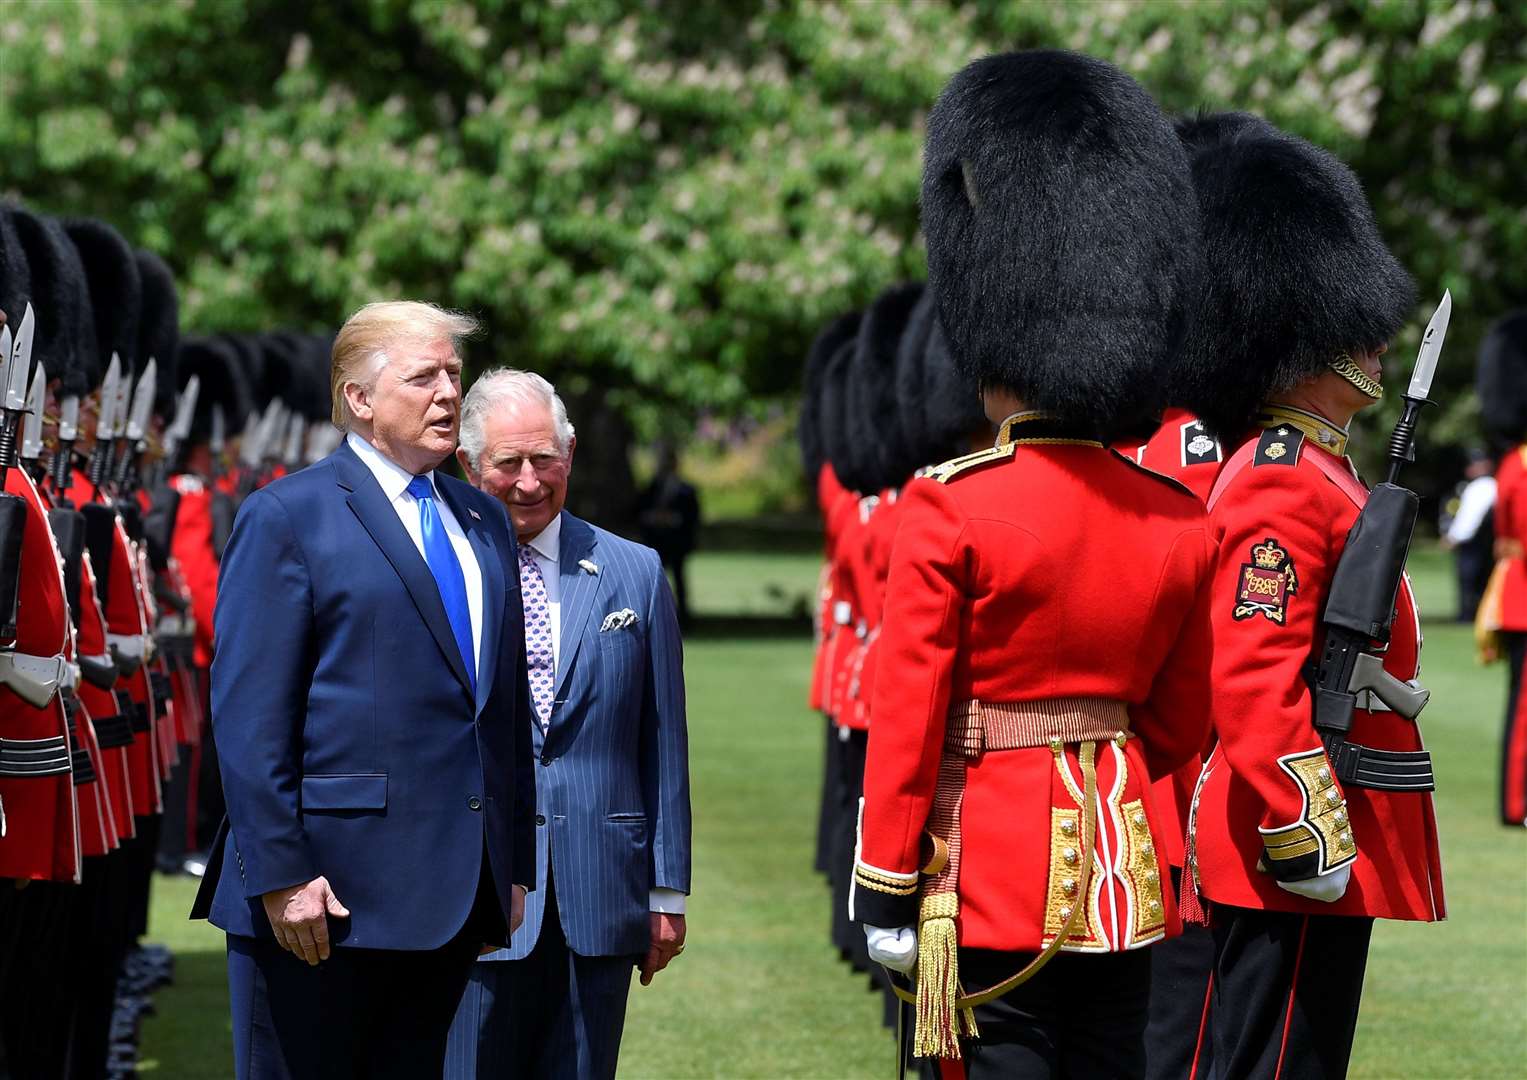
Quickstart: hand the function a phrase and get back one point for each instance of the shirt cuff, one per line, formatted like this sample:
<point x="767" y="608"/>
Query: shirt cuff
<point x="668" y="901"/>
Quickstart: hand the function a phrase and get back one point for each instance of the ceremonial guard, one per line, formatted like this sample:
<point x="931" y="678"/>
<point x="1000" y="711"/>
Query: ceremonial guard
<point x="829" y="492"/>
<point x="1503" y="409"/>
<point x="1045" y="641"/>
<point x="1301" y="835"/>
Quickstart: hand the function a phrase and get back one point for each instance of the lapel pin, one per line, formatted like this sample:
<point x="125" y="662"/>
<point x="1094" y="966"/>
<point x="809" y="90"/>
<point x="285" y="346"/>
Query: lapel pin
<point x="475" y="515"/>
<point x="590" y="566"/>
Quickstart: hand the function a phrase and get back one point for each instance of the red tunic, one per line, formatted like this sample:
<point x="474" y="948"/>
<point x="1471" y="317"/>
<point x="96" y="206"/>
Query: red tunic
<point x="1511" y="536"/>
<point x="830" y="493"/>
<point x="1281" y="521"/>
<point x="115" y="771"/>
<point x="41" y="838"/>
<point x="848" y="526"/>
<point x="1048" y="576"/>
<point x="1184" y="451"/>
<point x="879" y="518"/>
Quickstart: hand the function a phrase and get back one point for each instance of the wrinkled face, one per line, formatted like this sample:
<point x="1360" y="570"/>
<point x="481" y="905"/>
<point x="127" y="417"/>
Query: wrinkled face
<point x="521" y="465"/>
<point x="412" y="407"/>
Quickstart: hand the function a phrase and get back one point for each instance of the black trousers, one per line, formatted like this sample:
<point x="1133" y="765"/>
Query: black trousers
<point x="362" y="1014"/>
<point x="1178" y="1042"/>
<point x="848" y="936"/>
<point x="1513" y="782"/>
<point x="1082" y="1017"/>
<point x="1286" y="993"/>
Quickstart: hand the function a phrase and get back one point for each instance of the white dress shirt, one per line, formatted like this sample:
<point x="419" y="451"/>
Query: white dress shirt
<point x="546" y="547"/>
<point x="395" y="480"/>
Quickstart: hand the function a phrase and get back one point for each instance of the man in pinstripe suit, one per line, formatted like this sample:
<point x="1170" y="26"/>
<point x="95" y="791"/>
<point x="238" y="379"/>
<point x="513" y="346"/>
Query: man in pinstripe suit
<point x="612" y="790"/>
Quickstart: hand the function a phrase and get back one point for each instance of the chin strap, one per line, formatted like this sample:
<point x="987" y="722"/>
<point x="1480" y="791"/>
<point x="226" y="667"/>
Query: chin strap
<point x="1347" y="368"/>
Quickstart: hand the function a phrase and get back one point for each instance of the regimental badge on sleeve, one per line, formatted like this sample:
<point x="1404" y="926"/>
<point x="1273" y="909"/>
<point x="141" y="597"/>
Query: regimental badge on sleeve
<point x="1267" y="582"/>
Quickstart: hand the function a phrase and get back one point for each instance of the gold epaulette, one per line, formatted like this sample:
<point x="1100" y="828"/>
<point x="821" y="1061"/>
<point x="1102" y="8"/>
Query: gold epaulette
<point x="955" y="466"/>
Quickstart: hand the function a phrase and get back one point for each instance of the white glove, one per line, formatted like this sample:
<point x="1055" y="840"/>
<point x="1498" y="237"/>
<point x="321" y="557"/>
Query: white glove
<point x="895" y="948"/>
<point x="1327" y="889"/>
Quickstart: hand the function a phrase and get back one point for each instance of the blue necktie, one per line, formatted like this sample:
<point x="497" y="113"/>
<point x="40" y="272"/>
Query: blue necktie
<point x="443" y="563"/>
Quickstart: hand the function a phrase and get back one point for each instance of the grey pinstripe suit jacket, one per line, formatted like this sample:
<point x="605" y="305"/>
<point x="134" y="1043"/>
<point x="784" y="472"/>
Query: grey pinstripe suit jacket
<point x="612" y="771"/>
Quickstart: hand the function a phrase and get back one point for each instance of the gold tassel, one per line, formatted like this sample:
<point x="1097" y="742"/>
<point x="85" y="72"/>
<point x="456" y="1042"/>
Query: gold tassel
<point x="938" y="979"/>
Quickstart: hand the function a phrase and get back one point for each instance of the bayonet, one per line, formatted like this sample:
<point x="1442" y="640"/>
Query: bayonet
<point x="137" y="422"/>
<point x="1402" y="444"/>
<point x="180" y="428"/>
<point x="68" y="432"/>
<point x="249" y="442"/>
<point x="270" y="431"/>
<point x="31" y="420"/>
<point x="17" y="351"/>
<point x="105" y="421"/>
<point x="120" y="407"/>
<point x="218" y="439"/>
<point x="296" y="432"/>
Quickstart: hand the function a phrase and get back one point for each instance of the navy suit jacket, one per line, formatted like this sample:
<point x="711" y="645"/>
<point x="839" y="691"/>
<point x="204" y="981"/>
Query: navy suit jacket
<point x="612" y="783"/>
<point x="350" y="743"/>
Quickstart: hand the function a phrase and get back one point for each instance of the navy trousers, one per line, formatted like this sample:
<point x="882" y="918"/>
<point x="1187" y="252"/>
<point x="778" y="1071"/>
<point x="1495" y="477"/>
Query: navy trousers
<point x="554" y="1014"/>
<point x="362" y="1013"/>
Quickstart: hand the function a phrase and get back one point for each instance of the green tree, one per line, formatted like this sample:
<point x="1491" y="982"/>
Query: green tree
<point x="658" y="203"/>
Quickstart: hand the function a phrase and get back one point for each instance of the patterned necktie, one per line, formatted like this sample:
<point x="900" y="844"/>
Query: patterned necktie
<point x="538" y="649"/>
<point x="441" y="557"/>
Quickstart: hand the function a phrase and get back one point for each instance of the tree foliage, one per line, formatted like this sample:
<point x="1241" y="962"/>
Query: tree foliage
<point x="666" y="199"/>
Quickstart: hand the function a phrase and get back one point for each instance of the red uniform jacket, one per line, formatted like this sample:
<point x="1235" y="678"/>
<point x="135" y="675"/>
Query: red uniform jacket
<point x="1267" y="792"/>
<point x="1511" y="536"/>
<point x="879" y="517"/>
<point x="100" y="704"/>
<point x="1183" y="450"/>
<point x="830" y="493"/>
<point x="1048" y="576"/>
<point x="848" y="550"/>
<point x="41" y="838"/>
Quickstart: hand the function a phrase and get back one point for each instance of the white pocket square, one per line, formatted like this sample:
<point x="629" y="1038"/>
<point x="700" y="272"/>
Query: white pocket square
<point x="618" y="620"/>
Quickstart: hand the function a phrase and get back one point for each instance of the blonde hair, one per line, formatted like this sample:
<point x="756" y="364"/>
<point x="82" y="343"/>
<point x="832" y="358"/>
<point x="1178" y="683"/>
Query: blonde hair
<point x="360" y="348"/>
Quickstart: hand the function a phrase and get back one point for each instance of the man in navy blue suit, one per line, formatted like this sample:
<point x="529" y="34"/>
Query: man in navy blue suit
<point x="370" y="706"/>
<point x="612" y="787"/>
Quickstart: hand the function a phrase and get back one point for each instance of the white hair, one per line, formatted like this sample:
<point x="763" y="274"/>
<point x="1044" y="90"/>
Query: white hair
<point x="507" y="385"/>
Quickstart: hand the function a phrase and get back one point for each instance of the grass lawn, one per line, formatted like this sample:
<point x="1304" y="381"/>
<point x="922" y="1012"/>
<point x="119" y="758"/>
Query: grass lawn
<point x="758" y="993"/>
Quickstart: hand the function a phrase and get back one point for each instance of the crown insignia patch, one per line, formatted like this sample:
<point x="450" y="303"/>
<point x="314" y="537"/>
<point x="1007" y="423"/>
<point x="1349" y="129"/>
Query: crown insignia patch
<point x="1267" y="581"/>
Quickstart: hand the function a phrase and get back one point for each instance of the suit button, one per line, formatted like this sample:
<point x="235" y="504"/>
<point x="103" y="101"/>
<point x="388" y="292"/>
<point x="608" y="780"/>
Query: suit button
<point x="540" y="819"/>
<point x="474" y="803"/>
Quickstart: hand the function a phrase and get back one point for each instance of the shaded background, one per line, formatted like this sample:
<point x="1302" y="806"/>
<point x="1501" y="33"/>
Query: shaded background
<point x="658" y="203"/>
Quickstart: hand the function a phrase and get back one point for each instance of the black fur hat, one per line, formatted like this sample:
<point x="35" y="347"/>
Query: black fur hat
<point x="874" y="420"/>
<point x="58" y="284"/>
<point x="159" y="327"/>
<point x="15" y="279"/>
<point x="1062" y="234"/>
<point x="280" y="375"/>
<point x="1205" y="130"/>
<point x="116" y="291"/>
<point x="215" y="362"/>
<point x="251" y="367"/>
<point x="1295" y="274"/>
<point x="852" y="461"/>
<point x="1502" y="379"/>
<point x="809" y="428"/>
<point x="940" y="407"/>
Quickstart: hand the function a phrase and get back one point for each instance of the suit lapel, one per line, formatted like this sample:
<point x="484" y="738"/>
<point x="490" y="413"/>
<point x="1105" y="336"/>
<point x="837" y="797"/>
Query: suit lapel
<point x="492" y="586"/>
<point x="378" y="518"/>
<point x="580" y="589"/>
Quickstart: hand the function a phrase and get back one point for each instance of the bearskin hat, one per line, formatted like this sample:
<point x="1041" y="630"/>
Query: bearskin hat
<point x="159" y="327"/>
<point x="940" y="407"/>
<point x="874" y="420"/>
<point x="15" y="279"/>
<point x="1502" y="379"/>
<point x="1062" y="234"/>
<point x="1204" y="130"/>
<point x="58" y="285"/>
<point x="1295" y="274"/>
<point x="809" y="428"/>
<point x="251" y="365"/>
<point x="116" y="290"/>
<point x="852" y="461"/>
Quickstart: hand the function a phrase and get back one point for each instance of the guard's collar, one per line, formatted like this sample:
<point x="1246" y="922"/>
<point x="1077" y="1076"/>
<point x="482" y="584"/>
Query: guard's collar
<point x="1316" y="428"/>
<point x="1033" y="426"/>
